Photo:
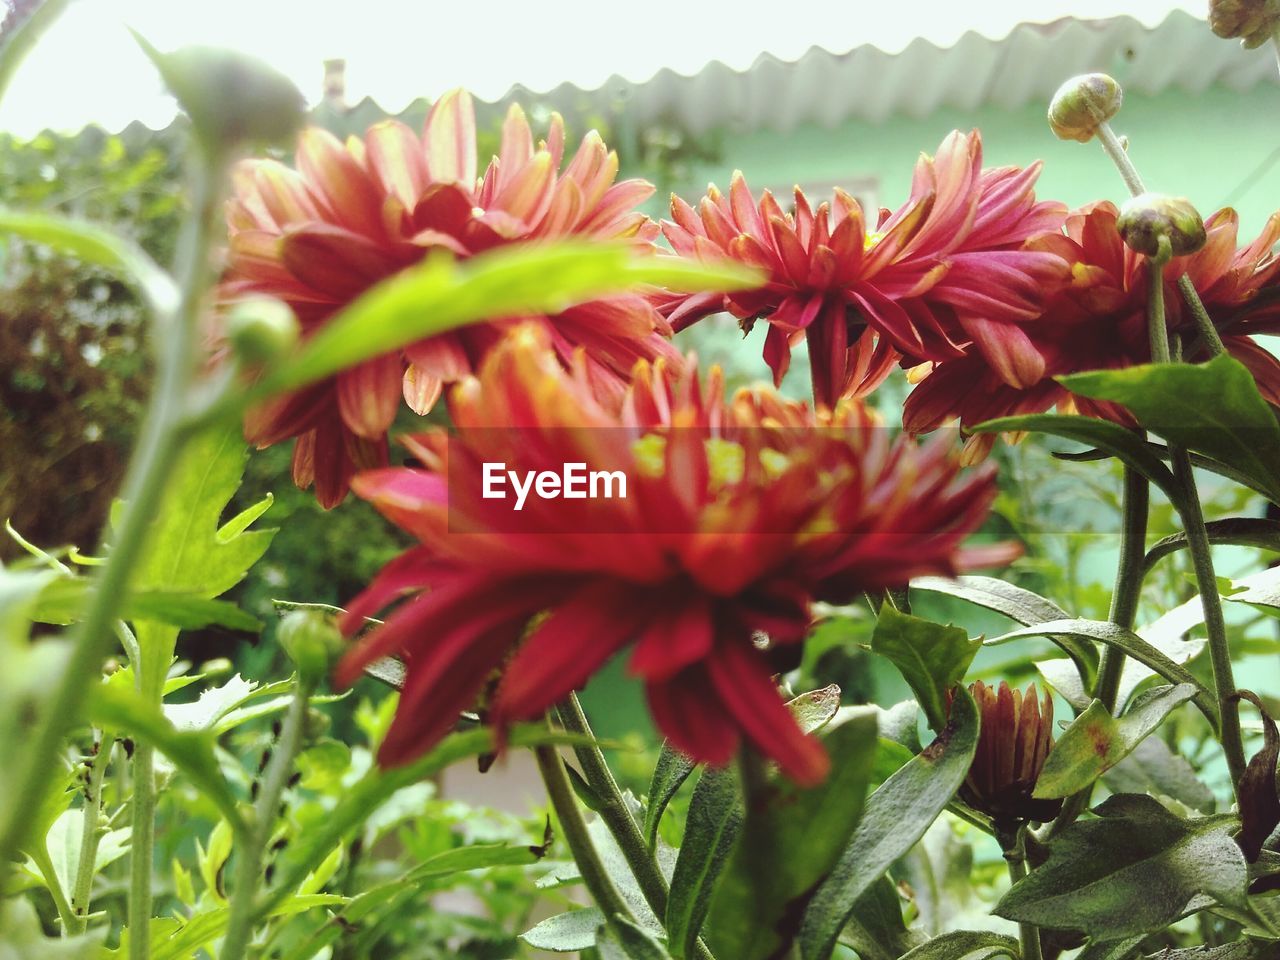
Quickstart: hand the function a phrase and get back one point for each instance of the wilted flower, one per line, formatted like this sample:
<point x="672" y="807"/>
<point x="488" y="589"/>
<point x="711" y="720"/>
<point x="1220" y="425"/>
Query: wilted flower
<point x="355" y="213"/>
<point x="1013" y="741"/>
<point x="1082" y="104"/>
<point x="948" y="267"/>
<point x="1099" y="322"/>
<point x="737" y="516"/>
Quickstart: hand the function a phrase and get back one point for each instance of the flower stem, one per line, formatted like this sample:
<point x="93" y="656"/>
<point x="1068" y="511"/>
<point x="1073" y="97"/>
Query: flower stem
<point x="594" y="876"/>
<point x="1204" y="323"/>
<point x="617" y="816"/>
<point x="1015" y="854"/>
<point x="1120" y="157"/>
<point x="249" y="858"/>
<point x="1207" y="582"/>
<point x="90" y="834"/>
<point x="142" y="841"/>
<point x="159" y="446"/>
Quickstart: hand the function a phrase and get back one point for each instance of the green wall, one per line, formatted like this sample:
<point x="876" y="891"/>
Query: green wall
<point x="1206" y="147"/>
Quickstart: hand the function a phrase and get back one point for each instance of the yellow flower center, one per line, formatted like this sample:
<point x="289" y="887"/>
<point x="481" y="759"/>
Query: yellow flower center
<point x="871" y="239"/>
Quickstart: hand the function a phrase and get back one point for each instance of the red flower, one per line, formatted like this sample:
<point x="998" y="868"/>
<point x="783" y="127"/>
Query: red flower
<point x="948" y="267"/>
<point x="739" y="514"/>
<point x="353" y="214"/>
<point x="1099" y="322"/>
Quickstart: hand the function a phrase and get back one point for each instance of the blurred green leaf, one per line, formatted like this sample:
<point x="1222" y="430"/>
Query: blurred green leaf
<point x="1096" y="741"/>
<point x="62" y="602"/>
<point x="1157" y="868"/>
<point x="22" y="937"/>
<point x="897" y="815"/>
<point x="875" y="929"/>
<point x="932" y="658"/>
<point x="958" y="944"/>
<point x="711" y="829"/>
<point x="441" y="294"/>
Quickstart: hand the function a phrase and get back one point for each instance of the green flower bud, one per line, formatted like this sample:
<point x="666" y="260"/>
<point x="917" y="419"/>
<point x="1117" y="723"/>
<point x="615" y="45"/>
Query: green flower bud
<point x="232" y="99"/>
<point x="1146" y="218"/>
<point x="1253" y="21"/>
<point x="316" y="724"/>
<point x="312" y="642"/>
<point x="261" y="330"/>
<point x="1082" y="103"/>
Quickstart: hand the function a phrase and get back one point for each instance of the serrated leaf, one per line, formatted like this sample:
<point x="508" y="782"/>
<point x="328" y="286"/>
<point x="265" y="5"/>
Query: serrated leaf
<point x="896" y="817"/>
<point x="63" y="601"/>
<point x="1135" y="869"/>
<point x="973" y="944"/>
<point x="1096" y="741"/>
<point x="1213" y="408"/>
<point x="791" y="838"/>
<point x="932" y="658"/>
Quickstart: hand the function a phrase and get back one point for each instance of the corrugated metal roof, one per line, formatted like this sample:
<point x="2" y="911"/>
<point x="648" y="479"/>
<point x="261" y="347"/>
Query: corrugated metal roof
<point x="867" y="83"/>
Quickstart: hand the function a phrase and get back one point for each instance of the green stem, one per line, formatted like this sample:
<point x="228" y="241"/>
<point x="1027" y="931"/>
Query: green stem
<point x="1125" y="596"/>
<point x="1207" y="582"/>
<point x="1204" y="323"/>
<point x="594" y="876"/>
<point x="158" y="449"/>
<point x="1120" y="157"/>
<point x="616" y="815"/>
<point x="90" y="834"/>
<point x="142" y="841"/>
<point x="60" y="902"/>
<point x="1015" y="854"/>
<point x="241" y="910"/>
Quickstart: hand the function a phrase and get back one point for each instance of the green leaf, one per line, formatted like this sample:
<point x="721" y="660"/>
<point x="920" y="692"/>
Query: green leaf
<point x="441" y="294"/>
<point x="932" y="658"/>
<point x="63" y="601"/>
<point x="875" y="929"/>
<point x="1111" y="949"/>
<point x="711" y="829"/>
<point x="1154" y="768"/>
<point x="1123" y="444"/>
<point x="791" y="838"/>
<point x="190" y="751"/>
<point x="897" y="815"/>
<point x="1096" y="741"/>
<point x="1135" y="869"/>
<point x="23" y="937"/>
<point x="62" y="848"/>
<point x="1234" y="531"/>
<point x="623" y="940"/>
<point x="816" y="708"/>
<point x="1213" y="408"/>
<point x="565" y="932"/>
<point x="958" y="944"/>
<point x="99" y="246"/>
<point x="1260" y="591"/>
<point x="1126" y="640"/>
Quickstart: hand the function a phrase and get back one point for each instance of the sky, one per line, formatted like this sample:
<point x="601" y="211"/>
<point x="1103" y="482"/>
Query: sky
<point x="88" y="68"/>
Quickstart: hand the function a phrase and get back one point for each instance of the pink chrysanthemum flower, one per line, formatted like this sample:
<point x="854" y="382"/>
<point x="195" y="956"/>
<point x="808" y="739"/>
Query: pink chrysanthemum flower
<point x="354" y="213"/>
<point x="738" y="515"/>
<point x="947" y="268"/>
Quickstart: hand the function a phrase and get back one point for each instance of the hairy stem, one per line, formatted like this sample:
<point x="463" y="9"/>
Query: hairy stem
<point x="1015" y="854"/>
<point x="616" y="815"/>
<point x="249" y="858"/>
<point x="90" y="833"/>
<point x="1120" y="157"/>
<point x="1204" y="323"/>
<point x="142" y="841"/>
<point x="594" y="876"/>
<point x="159" y="445"/>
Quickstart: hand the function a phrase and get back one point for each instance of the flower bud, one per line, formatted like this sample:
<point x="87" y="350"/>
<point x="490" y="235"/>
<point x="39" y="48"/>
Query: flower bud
<point x="261" y="330"/>
<point x="1082" y="103"/>
<point x="232" y="99"/>
<point x="1146" y="218"/>
<point x="1253" y="21"/>
<point x="312" y="641"/>
<point x="1013" y="741"/>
